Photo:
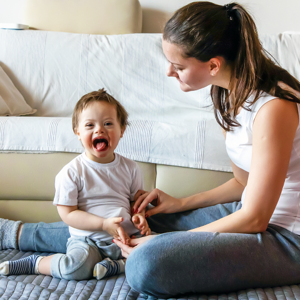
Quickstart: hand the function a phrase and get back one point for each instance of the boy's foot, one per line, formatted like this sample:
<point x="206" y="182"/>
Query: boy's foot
<point x="8" y="234"/>
<point x="27" y="265"/>
<point x="108" y="267"/>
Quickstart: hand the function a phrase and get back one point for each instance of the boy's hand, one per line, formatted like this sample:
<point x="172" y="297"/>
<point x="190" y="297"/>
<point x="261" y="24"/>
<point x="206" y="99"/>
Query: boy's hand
<point x="141" y="224"/>
<point x="112" y="226"/>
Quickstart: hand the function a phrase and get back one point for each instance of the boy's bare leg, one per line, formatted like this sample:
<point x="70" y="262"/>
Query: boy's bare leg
<point x="44" y="266"/>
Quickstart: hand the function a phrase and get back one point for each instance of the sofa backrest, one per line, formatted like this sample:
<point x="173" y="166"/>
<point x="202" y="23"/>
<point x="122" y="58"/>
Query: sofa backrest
<point x="76" y="16"/>
<point x="27" y="183"/>
<point x="84" y="16"/>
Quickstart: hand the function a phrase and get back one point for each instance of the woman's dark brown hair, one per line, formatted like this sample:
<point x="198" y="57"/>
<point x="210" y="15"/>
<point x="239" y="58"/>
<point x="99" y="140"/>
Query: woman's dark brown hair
<point x="205" y="30"/>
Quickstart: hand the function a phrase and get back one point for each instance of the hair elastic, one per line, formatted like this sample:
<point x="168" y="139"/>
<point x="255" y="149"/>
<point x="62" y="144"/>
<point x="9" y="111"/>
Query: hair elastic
<point x="229" y="10"/>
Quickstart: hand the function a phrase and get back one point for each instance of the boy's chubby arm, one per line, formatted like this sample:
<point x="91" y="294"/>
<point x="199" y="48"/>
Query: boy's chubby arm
<point x="139" y="219"/>
<point x="80" y="219"/>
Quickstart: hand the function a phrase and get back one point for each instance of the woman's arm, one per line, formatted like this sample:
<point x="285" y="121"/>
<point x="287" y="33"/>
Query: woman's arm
<point x="274" y="130"/>
<point x="227" y="192"/>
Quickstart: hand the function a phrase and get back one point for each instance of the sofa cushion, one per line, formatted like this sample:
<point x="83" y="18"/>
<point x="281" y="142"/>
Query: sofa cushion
<point x="183" y="182"/>
<point x="88" y="16"/>
<point x="33" y="175"/>
<point x="12" y="103"/>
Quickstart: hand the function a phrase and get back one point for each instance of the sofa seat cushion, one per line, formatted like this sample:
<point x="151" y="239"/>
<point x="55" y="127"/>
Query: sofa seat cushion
<point x="112" y="288"/>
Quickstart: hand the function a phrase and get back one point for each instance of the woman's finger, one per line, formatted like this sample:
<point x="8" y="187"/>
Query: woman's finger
<point x="154" y="210"/>
<point x="139" y="201"/>
<point x="136" y="242"/>
<point x="124" y="254"/>
<point x="126" y="250"/>
<point x="138" y="194"/>
<point x="153" y="195"/>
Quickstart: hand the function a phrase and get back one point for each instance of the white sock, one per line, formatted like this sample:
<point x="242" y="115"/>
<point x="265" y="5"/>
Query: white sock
<point x="36" y="268"/>
<point x="4" y="268"/>
<point x="108" y="267"/>
<point x="27" y="265"/>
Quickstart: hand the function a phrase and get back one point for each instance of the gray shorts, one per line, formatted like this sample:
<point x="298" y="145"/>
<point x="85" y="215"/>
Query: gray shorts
<point x="81" y="257"/>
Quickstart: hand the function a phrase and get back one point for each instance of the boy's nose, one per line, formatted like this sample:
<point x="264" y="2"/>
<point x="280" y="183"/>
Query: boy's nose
<point x="98" y="129"/>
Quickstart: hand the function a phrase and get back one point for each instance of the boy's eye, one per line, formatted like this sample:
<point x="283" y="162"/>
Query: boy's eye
<point x="108" y="123"/>
<point x="89" y="125"/>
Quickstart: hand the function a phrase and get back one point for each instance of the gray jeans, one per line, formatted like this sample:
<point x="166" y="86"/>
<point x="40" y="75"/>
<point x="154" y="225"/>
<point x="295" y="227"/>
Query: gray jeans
<point x="81" y="257"/>
<point x="178" y="263"/>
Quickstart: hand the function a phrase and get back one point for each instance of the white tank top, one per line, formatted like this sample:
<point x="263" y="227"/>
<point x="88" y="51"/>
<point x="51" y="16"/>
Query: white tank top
<point x="239" y="149"/>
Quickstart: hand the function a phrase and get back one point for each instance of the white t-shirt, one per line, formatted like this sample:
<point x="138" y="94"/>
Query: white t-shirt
<point x="104" y="190"/>
<point x="239" y="149"/>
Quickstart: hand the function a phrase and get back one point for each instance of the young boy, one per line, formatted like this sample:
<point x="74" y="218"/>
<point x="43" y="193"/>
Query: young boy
<point x="92" y="194"/>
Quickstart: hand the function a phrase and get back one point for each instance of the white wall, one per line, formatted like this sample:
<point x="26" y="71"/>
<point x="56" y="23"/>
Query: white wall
<point x="271" y="16"/>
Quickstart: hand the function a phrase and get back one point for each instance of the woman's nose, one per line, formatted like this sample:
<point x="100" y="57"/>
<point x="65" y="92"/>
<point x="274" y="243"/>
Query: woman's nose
<point x="170" y="71"/>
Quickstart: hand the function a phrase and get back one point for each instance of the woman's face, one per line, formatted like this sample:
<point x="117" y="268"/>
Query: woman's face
<point x="191" y="73"/>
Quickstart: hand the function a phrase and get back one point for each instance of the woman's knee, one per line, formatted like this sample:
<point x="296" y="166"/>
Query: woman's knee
<point x="139" y="268"/>
<point x="148" y="268"/>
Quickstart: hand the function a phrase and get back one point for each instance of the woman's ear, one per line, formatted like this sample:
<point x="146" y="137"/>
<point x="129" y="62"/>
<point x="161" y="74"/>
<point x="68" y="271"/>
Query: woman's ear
<point x="215" y="65"/>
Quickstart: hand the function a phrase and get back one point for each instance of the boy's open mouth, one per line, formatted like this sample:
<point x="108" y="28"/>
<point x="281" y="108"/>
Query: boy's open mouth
<point x="100" y="144"/>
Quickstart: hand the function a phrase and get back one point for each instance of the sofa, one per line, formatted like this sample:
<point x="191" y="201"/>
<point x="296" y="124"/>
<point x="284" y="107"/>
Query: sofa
<point x="172" y="135"/>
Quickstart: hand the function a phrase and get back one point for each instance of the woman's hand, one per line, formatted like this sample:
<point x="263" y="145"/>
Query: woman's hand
<point x="127" y="249"/>
<point x="163" y="202"/>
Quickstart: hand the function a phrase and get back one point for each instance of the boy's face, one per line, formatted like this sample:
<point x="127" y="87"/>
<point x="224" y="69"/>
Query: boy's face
<point x="99" y="131"/>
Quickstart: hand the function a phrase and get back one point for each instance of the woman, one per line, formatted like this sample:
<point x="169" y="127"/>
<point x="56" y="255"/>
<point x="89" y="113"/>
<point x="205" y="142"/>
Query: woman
<point x="230" y="245"/>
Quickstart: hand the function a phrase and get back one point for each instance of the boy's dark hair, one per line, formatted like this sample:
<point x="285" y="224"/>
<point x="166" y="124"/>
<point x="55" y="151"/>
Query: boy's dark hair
<point x="100" y="95"/>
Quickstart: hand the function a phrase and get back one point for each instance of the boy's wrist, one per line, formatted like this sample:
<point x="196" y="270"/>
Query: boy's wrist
<point x="104" y="224"/>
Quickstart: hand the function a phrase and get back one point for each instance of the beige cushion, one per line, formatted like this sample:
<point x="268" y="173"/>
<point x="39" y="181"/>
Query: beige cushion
<point x="12" y="103"/>
<point x="84" y="16"/>
<point x="31" y="176"/>
<point x="182" y="182"/>
<point x="27" y="184"/>
<point x="29" y="211"/>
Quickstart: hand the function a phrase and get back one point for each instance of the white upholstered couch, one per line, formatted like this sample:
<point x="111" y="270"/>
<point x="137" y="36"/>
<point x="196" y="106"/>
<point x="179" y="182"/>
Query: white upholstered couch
<point x="52" y="70"/>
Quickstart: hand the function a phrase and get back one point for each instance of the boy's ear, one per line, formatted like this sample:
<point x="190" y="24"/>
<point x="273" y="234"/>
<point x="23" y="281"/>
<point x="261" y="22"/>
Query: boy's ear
<point x="122" y="131"/>
<point x="77" y="133"/>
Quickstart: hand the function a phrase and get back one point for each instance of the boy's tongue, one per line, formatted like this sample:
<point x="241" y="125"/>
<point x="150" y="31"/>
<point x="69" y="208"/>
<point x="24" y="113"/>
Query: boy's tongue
<point x="100" y="146"/>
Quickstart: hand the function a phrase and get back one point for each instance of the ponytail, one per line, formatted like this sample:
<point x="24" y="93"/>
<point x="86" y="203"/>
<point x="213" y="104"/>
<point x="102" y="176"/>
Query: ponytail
<point x="205" y="30"/>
